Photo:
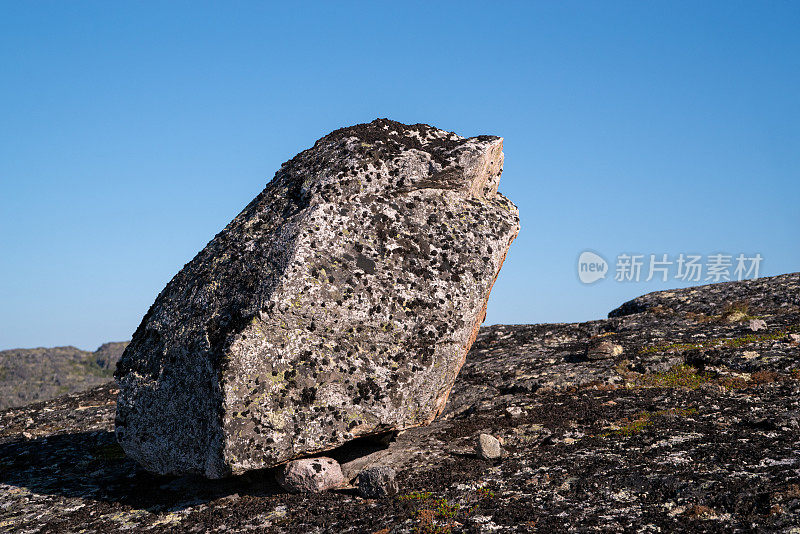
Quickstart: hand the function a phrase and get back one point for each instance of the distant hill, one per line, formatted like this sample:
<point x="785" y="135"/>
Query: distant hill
<point x="31" y="375"/>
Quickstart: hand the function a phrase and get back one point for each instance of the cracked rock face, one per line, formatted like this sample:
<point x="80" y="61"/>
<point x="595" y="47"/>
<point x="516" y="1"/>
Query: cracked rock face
<point x="340" y="303"/>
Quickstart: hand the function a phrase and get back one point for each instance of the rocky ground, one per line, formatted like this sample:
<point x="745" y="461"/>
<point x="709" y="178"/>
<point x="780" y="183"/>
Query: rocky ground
<point x="30" y="375"/>
<point x="694" y="426"/>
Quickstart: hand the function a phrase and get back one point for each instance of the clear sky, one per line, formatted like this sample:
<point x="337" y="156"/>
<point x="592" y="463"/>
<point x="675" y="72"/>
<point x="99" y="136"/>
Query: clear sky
<point x="132" y="132"/>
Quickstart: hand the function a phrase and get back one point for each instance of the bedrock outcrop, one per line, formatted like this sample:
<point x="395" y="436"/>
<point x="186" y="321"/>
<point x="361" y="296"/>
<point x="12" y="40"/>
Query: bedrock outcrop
<point x="341" y="302"/>
<point x="695" y="427"/>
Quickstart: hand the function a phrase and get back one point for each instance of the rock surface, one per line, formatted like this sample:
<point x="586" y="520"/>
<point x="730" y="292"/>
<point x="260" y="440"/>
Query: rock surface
<point x="682" y="434"/>
<point x="377" y="482"/>
<point x="341" y="302"/>
<point x="311" y="475"/>
<point x="603" y="350"/>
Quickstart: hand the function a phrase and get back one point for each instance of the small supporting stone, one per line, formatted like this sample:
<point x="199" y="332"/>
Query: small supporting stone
<point x="311" y="475"/>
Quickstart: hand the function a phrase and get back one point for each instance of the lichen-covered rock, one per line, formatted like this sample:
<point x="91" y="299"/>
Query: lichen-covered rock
<point x="377" y="481"/>
<point x="341" y="302"/>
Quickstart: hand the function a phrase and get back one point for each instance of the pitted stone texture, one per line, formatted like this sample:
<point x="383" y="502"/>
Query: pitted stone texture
<point x="311" y="475"/>
<point x="340" y="303"/>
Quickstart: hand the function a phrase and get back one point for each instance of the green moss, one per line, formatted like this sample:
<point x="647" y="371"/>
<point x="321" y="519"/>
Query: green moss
<point x="635" y="426"/>
<point x="730" y="342"/>
<point x="679" y="376"/>
<point x="646" y="419"/>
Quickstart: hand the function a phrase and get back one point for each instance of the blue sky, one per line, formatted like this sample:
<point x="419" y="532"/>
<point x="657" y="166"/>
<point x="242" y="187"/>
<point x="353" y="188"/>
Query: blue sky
<point x="130" y="133"/>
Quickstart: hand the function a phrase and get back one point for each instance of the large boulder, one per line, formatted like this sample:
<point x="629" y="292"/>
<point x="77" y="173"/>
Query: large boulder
<point x="340" y="303"/>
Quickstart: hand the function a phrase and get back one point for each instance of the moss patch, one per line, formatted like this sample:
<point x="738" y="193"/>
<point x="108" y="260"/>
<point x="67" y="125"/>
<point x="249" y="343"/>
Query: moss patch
<point x="438" y="515"/>
<point x="645" y="419"/>
<point x="680" y="376"/>
<point x="737" y="342"/>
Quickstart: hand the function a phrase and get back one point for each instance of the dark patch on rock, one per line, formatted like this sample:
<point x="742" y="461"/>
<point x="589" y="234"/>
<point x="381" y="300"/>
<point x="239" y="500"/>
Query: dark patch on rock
<point x="365" y="264"/>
